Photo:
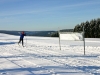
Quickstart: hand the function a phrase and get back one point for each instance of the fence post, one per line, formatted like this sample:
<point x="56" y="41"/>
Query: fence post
<point x="59" y="39"/>
<point x="84" y="39"/>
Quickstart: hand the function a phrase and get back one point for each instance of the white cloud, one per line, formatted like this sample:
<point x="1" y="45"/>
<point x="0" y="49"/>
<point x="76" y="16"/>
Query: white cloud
<point x="78" y="5"/>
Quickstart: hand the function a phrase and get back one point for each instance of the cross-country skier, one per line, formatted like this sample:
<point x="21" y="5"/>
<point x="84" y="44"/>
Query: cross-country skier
<point x="22" y="34"/>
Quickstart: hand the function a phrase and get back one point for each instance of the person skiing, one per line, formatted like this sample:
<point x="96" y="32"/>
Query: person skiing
<point x="22" y="34"/>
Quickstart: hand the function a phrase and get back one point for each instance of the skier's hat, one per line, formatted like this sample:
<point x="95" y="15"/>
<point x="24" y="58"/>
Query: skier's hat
<point x="22" y="32"/>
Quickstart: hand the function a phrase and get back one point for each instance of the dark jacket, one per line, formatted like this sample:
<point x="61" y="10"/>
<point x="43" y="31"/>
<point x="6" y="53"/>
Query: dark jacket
<point x="22" y="35"/>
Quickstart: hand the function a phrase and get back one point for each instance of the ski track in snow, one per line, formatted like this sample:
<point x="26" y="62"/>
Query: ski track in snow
<point x="43" y="57"/>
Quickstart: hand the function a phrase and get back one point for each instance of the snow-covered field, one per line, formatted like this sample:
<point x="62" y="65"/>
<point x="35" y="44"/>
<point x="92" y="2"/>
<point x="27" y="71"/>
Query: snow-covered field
<point x="42" y="56"/>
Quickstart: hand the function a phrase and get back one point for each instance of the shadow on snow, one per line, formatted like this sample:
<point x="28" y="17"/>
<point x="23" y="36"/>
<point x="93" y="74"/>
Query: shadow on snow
<point x="6" y="43"/>
<point x="56" y="69"/>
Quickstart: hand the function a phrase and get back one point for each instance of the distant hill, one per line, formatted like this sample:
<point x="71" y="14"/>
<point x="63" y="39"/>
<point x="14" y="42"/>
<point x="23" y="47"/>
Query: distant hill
<point x="40" y="33"/>
<point x="9" y="32"/>
<point x="30" y="33"/>
<point x="36" y="33"/>
<point x="66" y="30"/>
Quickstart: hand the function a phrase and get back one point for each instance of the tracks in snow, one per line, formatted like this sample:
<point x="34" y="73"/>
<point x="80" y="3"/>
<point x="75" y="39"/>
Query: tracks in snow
<point x="47" y="54"/>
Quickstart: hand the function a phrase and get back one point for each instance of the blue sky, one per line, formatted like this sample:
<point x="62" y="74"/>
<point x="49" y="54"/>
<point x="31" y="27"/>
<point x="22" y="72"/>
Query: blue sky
<point x="37" y="15"/>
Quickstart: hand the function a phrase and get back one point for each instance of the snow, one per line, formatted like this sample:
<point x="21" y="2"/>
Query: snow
<point x="42" y="56"/>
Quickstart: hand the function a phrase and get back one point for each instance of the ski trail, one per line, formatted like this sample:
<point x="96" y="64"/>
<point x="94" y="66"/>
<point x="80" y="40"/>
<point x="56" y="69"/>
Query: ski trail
<point x="52" y="59"/>
<point x="80" y="62"/>
<point x="26" y="63"/>
<point x="26" y="59"/>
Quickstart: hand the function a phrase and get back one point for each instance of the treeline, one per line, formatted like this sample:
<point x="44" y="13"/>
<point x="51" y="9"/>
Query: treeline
<point x="91" y="28"/>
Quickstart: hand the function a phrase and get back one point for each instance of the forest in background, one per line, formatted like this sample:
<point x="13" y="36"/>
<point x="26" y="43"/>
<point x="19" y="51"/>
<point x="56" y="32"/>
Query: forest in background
<point x="91" y="28"/>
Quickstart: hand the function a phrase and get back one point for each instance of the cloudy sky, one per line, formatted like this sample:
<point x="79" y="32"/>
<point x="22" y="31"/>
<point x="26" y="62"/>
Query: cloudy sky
<point x="34" y="15"/>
